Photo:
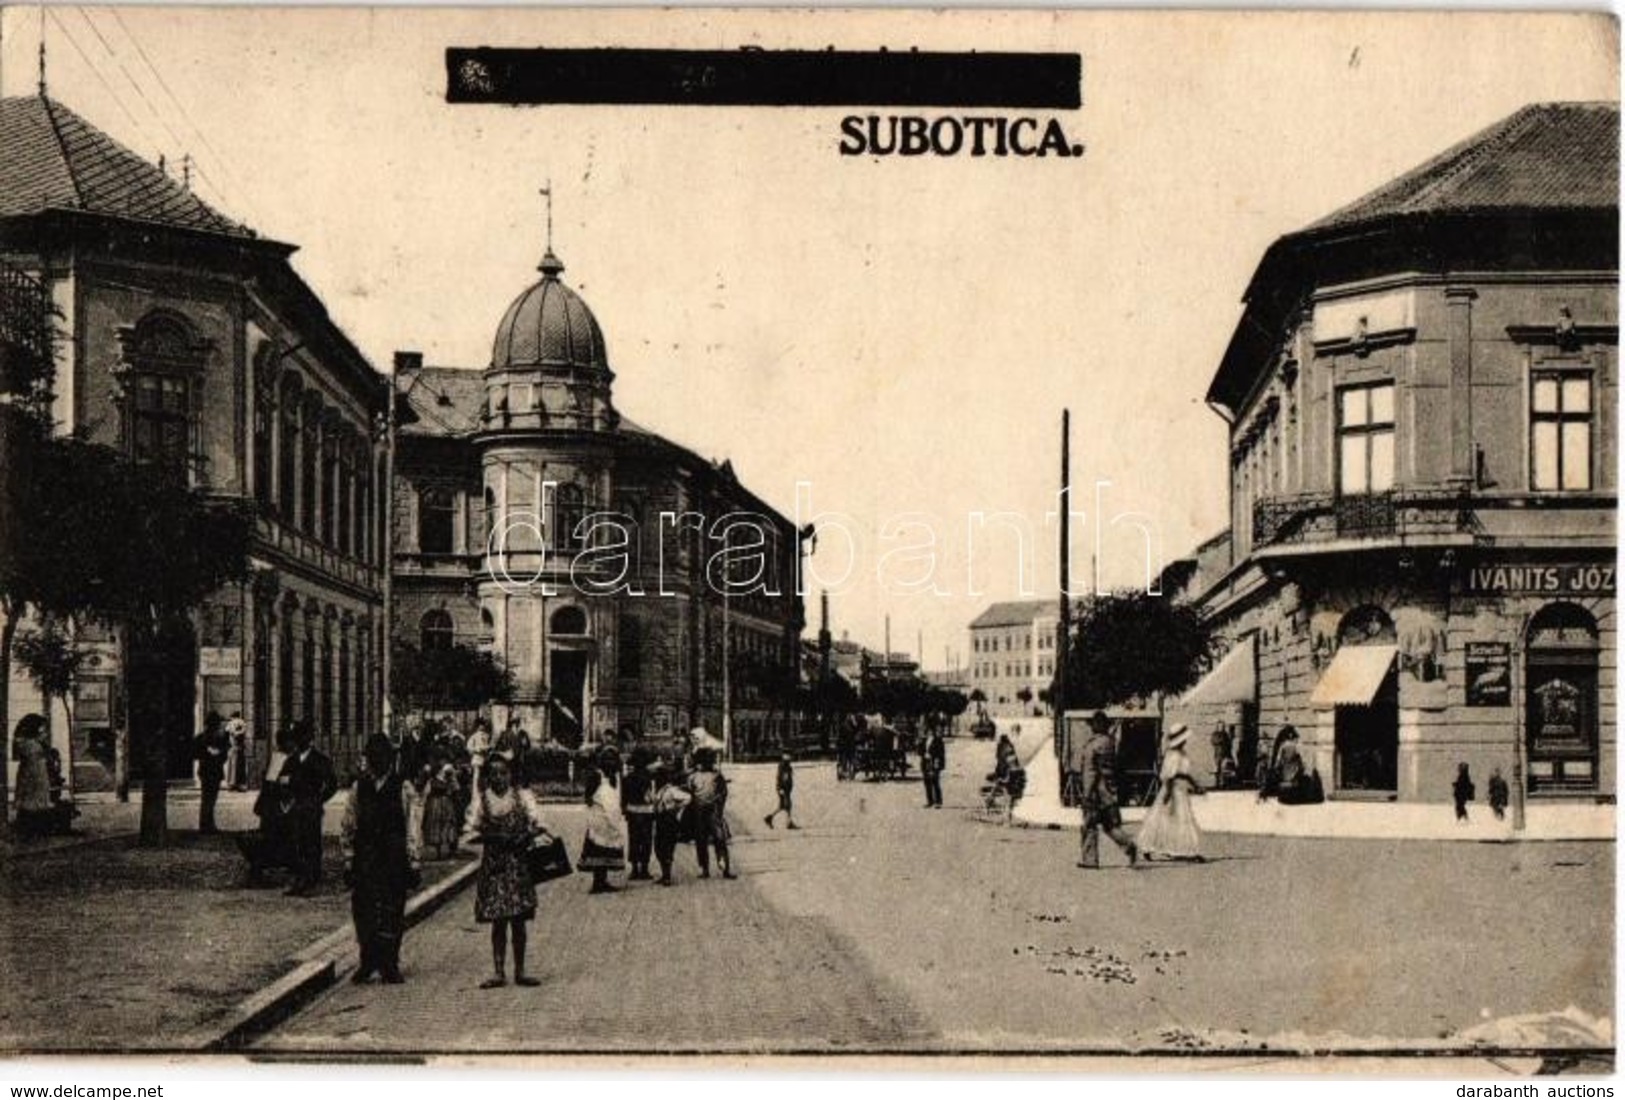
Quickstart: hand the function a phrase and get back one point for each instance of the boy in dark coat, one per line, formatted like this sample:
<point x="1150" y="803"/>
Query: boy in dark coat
<point x="381" y="856"/>
<point x="785" y="781"/>
<point x="1500" y="794"/>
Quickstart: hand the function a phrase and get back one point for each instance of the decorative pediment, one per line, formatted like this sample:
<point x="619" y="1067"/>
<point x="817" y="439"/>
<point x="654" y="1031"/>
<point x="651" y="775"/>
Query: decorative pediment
<point x="1564" y="332"/>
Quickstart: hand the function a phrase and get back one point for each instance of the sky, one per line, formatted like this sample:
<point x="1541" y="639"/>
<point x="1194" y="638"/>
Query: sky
<point x="897" y="336"/>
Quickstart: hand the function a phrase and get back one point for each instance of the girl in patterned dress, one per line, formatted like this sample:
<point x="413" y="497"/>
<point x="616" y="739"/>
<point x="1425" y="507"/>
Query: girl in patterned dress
<point x="506" y="821"/>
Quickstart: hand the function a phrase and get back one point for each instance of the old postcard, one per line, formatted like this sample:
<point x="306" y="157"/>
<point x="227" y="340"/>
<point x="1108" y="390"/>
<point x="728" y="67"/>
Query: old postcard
<point x="1022" y="536"/>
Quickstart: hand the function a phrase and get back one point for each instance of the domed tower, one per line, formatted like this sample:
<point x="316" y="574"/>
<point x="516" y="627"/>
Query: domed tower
<point x="549" y="369"/>
<point x="547" y="450"/>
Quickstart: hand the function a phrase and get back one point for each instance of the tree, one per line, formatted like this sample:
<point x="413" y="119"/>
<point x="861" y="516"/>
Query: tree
<point x="1132" y="646"/>
<point x="456" y="677"/>
<point x="53" y="662"/>
<point x="129" y="544"/>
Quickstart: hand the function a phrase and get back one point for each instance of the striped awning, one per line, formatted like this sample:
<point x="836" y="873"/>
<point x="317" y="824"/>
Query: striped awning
<point x="1355" y="676"/>
<point x="1233" y="680"/>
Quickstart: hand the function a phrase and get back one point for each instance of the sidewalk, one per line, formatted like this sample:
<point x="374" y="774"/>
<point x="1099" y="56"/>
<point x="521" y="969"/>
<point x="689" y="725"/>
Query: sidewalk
<point x="1240" y="812"/>
<point x="145" y="949"/>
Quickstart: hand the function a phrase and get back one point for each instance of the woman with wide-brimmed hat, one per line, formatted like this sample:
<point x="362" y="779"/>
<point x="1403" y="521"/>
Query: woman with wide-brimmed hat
<point x="1170" y="830"/>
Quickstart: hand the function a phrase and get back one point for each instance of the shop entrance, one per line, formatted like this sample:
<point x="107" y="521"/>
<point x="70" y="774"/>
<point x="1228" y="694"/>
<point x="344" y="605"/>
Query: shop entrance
<point x="1561" y="700"/>
<point x="1368" y="742"/>
<point x="567" y="692"/>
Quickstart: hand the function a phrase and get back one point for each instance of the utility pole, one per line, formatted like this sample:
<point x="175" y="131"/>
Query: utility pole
<point x="727" y="682"/>
<point x="1063" y="628"/>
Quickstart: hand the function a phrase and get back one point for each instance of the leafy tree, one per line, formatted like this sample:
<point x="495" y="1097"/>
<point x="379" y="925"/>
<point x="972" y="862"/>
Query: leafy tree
<point x="1129" y="646"/>
<point x="108" y="539"/>
<point x="53" y="663"/>
<point x="456" y="677"/>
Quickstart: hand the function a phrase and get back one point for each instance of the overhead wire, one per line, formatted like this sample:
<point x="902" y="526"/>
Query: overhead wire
<point x="95" y="71"/>
<point x="221" y="162"/>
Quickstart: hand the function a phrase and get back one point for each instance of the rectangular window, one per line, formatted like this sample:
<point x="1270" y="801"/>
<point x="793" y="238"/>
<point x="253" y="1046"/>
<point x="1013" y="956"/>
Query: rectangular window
<point x="1560" y="432"/>
<point x="1365" y="439"/>
<point x="162" y="428"/>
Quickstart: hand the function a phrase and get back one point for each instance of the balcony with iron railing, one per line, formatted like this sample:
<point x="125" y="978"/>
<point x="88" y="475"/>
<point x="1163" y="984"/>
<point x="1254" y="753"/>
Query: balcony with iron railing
<point x="1306" y="519"/>
<point x="27" y="330"/>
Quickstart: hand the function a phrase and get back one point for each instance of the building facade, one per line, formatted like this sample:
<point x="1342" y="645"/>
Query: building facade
<point x="1422" y="403"/>
<point x="626" y="582"/>
<point x="1012" y="651"/>
<point x="187" y="340"/>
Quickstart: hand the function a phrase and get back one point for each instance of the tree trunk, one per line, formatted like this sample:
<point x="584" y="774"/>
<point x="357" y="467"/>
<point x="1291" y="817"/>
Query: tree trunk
<point x="8" y="634"/>
<point x="155" y="792"/>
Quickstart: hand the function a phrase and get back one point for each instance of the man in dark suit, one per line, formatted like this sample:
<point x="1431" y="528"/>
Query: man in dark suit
<point x="933" y="761"/>
<point x="309" y="781"/>
<point x="211" y="748"/>
<point x="1098" y="794"/>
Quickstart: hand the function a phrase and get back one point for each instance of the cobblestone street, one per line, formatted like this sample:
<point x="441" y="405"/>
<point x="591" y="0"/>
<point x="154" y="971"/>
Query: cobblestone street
<point x="881" y="926"/>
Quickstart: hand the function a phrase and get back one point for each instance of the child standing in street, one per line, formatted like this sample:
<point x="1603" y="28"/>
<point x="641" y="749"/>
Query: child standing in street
<point x="786" y="783"/>
<point x="670" y="802"/>
<point x="1462" y="789"/>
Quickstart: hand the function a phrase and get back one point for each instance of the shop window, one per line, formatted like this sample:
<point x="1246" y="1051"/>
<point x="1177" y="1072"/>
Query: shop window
<point x="1365" y="439"/>
<point x="436" y="513"/>
<point x="1561" y="704"/>
<point x="1560" y="431"/>
<point x="435" y="630"/>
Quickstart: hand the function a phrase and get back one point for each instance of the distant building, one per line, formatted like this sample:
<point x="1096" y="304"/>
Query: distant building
<point x="1012" y="648"/>
<point x="1422" y="397"/>
<point x="192" y="343"/>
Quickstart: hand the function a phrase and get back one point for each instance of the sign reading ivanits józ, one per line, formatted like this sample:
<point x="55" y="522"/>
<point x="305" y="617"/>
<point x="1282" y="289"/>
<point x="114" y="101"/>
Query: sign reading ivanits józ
<point x="1569" y="578"/>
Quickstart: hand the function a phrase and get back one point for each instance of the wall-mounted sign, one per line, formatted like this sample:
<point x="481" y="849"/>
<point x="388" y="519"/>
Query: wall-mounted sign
<point x="1489" y="674"/>
<point x="101" y="658"/>
<point x="1567" y="579"/>
<point x="661" y="721"/>
<point x="219" y="660"/>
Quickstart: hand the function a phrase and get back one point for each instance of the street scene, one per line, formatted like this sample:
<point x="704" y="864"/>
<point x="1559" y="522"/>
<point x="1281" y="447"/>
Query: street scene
<point x="548" y="558"/>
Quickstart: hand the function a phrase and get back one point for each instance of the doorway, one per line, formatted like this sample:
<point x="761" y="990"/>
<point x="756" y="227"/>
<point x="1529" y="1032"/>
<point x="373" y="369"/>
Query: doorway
<point x="1368" y="742"/>
<point x="567" y="690"/>
<point x="1561" y="700"/>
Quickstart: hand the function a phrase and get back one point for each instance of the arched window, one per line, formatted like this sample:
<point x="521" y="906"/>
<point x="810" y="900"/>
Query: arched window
<point x="310" y="464"/>
<point x="332" y="488"/>
<point x="163" y="358"/>
<point x="436" y="510"/>
<point x="569" y="510"/>
<point x="568" y="620"/>
<point x="265" y="430"/>
<point x="1366" y="626"/>
<point x="288" y="449"/>
<point x="435" y="630"/>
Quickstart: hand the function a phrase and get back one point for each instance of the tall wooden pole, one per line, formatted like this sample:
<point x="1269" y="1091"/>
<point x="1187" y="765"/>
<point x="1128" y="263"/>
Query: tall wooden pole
<point x="1063" y="631"/>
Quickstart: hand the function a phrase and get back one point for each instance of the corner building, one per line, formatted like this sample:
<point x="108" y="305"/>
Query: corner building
<point x="189" y="342"/>
<point x="1422" y="402"/>
<point x="498" y="474"/>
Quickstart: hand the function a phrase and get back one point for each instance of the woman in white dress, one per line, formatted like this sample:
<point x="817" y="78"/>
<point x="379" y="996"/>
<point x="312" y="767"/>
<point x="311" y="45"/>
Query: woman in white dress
<point x="1170" y="830"/>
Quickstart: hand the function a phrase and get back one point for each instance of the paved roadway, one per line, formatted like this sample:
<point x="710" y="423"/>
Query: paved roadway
<point x="883" y="926"/>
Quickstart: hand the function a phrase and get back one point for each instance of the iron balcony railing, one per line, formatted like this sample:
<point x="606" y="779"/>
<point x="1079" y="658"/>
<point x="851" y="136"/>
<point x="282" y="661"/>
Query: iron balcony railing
<point x="26" y="332"/>
<point x="1321" y="517"/>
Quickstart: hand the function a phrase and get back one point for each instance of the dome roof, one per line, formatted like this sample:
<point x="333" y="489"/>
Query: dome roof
<point x="549" y="325"/>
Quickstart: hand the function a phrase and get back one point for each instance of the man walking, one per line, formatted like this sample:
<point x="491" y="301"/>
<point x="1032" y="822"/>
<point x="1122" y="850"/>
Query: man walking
<point x="381" y="856"/>
<point x="785" y="781"/>
<point x="309" y="781"/>
<point x="933" y="760"/>
<point x="1098" y="795"/>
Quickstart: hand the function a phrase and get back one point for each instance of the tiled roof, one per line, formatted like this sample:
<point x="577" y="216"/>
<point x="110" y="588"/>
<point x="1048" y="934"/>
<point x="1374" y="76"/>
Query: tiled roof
<point x="445" y="401"/>
<point x="1014" y="613"/>
<point x="50" y="158"/>
<point x="1547" y="156"/>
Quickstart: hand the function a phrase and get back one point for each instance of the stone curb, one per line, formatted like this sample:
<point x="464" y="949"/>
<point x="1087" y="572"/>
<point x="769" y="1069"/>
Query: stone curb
<point x="318" y="966"/>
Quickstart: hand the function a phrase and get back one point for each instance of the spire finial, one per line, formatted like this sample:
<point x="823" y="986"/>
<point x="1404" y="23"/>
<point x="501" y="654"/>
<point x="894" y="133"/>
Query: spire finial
<point x="550" y="266"/>
<point x="42" y="51"/>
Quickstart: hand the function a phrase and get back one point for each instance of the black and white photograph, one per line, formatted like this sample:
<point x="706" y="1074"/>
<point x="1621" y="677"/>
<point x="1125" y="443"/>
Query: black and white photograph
<point x="699" y="538"/>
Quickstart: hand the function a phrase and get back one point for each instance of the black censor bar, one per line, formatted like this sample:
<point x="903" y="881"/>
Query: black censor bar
<point x="764" y="78"/>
